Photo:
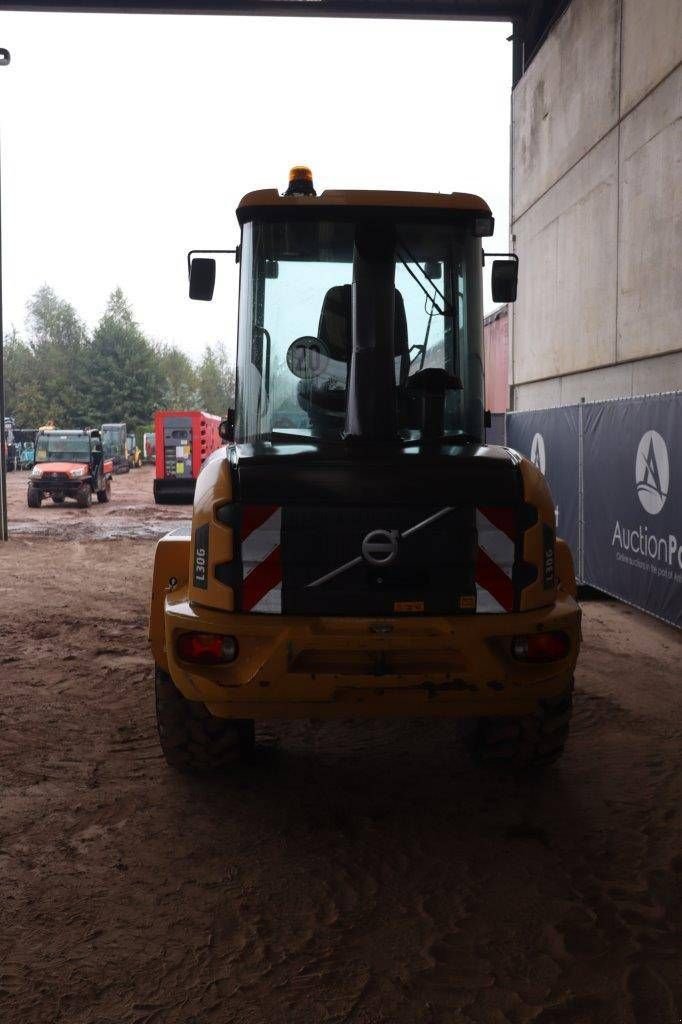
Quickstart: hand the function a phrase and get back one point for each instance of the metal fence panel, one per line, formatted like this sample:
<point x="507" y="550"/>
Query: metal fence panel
<point x="632" y="468"/>
<point x="549" y="438"/>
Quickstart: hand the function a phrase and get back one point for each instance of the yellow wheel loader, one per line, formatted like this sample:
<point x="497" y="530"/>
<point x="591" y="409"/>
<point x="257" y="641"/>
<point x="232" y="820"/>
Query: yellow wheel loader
<point x="133" y="453"/>
<point x="356" y="549"/>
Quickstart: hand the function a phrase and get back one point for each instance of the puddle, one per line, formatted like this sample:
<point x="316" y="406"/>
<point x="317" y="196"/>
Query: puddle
<point x="96" y="529"/>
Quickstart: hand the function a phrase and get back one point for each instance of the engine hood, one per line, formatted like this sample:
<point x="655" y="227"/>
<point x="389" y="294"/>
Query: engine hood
<point x="332" y="474"/>
<point x="62" y="467"/>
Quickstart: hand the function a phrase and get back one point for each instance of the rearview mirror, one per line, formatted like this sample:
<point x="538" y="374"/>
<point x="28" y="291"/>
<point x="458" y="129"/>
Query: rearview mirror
<point x="201" y="278"/>
<point x="432" y="270"/>
<point x="504" y="280"/>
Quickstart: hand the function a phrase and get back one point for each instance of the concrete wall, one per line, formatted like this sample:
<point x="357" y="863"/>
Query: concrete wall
<point x="597" y="206"/>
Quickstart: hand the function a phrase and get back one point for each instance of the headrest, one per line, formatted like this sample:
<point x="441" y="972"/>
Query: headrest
<point x="334" y="330"/>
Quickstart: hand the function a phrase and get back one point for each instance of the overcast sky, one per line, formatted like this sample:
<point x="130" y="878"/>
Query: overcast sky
<point x="129" y="139"/>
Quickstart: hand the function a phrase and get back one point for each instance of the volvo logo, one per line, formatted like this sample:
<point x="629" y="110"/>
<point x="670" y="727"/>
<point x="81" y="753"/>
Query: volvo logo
<point x="380" y="547"/>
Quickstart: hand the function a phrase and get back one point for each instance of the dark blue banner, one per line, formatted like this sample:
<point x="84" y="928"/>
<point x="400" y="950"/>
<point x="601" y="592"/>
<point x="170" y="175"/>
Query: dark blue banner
<point x="632" y="502"/>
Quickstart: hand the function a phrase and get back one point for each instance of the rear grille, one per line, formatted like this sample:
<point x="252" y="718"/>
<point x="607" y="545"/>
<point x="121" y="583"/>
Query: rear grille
<point x="324" y="572"/>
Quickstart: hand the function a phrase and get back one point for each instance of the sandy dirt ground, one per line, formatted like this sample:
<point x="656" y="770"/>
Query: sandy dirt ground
<point x="363" y="873"/>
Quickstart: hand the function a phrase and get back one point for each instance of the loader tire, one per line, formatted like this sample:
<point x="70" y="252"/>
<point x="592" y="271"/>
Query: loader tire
<point x="193" y="740"/>
<point x="34" y="497"/>
<point x="105" y="494"/>
<point x="530" y="741"/>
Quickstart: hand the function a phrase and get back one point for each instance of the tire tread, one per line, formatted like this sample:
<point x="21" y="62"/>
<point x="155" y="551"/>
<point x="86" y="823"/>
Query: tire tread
<point x="530" y="741"/>
<point x="192" y="739"/>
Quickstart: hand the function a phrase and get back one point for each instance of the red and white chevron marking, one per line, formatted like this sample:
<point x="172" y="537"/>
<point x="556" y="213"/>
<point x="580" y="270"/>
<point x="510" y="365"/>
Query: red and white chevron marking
<point x="495" y="559"/>
<point x="262" y="559"/>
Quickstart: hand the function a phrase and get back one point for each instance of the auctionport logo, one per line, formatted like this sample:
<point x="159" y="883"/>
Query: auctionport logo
<point x="652" y="472"/>
<point x="637" y="546"/>
<point x="537" y="453"/>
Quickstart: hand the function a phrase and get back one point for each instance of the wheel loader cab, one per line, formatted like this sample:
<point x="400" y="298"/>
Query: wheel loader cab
<point x="356" y="549"/>
<point x="309" y="369"/>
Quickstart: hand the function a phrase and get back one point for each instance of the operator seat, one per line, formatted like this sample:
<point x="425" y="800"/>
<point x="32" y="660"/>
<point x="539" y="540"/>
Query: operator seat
<point x="335" y="327"/>
<point x="325" y="403"/>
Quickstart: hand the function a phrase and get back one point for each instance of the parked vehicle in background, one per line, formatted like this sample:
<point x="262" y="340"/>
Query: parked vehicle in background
<point x="70" y="464"/>
<point x="27" y="455"/>
<point x="10" y="444"/>
<point x="24" y="442"/>
<point x="114" y="445"/>
<point x="148" y="447"/>
<point x="184" y="440"/>
<point x="133" y="452"/>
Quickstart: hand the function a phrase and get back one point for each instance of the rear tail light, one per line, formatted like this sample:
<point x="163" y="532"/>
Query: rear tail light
<point x="541" y="647"/>
<point x="207" y="648"/>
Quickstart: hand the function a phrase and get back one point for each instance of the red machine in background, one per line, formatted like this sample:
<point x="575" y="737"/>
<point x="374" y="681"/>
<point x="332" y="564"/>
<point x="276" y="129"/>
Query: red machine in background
<point x="149" y="447"/>
<point x="184" y="440"/>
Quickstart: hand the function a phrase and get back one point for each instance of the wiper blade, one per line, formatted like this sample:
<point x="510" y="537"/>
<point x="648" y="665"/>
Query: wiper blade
<point x="448" y="309"/>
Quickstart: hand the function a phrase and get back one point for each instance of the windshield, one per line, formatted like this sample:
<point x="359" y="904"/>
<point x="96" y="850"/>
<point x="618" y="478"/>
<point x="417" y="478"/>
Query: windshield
<point x="63" y="448"/>
<point x="295" y="332"/>
<point x="114" y="438"/>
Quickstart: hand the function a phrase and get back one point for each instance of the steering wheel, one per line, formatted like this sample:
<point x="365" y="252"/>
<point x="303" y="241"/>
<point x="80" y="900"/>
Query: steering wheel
<point x="434" y="381"/>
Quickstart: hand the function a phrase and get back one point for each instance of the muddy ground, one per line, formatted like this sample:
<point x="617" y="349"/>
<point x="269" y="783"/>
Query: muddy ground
<point x="362" y="873"/>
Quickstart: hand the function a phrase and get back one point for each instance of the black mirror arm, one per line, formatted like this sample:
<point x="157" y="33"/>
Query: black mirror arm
<point x="210" y="252"/>
<point x="500" y="255"/>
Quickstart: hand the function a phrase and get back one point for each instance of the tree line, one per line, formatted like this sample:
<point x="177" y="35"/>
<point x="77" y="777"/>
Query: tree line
<point x="61" y="372"/>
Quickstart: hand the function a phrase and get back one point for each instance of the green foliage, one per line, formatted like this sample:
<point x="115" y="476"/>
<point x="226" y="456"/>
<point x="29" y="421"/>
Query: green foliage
<point x="215" y="380"/>
<point x="58" y="372"/>
<point x="58" y="341"/>
<point x="25" y="399"/>
<point x="179" y="379"/>
<point x="125" y="380"/>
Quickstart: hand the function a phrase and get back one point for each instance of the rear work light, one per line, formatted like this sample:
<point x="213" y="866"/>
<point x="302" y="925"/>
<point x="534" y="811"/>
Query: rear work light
<point x="207" y="648"/>
<point x="541" y="647"/>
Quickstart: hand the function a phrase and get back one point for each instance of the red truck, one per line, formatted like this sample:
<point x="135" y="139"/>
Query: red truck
<point x="184" y="440"/>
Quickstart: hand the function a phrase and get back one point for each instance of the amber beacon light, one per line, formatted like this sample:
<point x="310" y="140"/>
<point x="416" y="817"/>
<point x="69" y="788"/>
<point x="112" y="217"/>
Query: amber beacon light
<point x="300" y="182"/>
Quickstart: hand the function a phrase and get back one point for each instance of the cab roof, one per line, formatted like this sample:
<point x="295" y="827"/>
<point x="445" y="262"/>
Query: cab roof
<point x="270" y="200"/>
<point x="71" y="432"/>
